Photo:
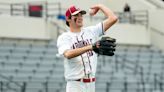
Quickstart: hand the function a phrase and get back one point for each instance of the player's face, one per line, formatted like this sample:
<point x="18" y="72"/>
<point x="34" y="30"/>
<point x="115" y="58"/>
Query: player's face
<point x="77" y="20"/>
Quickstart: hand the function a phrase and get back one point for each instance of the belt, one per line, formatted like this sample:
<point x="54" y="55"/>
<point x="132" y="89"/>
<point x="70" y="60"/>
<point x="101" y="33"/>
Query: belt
<point x="87" y="80"/>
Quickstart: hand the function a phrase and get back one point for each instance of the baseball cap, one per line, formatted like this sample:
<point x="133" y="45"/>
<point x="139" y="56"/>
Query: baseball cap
<point x="73" y="10"/>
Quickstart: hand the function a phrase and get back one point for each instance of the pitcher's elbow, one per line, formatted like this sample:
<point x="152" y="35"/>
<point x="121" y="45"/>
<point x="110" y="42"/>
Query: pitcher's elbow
<point x="114" y="19"/>
<point x="67" y="55"/>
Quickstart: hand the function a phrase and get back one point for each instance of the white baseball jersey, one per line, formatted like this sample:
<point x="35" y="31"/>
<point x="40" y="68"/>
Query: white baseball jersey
<point x="78" y="67"/>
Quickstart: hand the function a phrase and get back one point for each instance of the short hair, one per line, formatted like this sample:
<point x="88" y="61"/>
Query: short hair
<point x="67" y="23"/>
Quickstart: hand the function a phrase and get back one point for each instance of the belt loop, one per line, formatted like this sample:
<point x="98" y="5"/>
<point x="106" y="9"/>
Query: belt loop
<point x="91" y="79"/>
<point x="81" y="80"/>
<point x="89" y="76"/>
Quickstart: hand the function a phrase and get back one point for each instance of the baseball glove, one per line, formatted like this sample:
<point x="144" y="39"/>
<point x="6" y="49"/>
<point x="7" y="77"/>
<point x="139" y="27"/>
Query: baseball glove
<point x="105" y="46"/>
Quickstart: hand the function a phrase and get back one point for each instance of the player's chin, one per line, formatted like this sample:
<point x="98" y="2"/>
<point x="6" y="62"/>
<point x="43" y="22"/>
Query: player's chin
<point x="80" y="24"/>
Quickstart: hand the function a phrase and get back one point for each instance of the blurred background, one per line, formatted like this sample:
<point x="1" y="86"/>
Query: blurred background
<point x="28" y="52"/>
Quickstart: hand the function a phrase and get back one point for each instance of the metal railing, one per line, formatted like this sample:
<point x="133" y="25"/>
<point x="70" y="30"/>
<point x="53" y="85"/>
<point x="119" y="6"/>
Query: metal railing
<point x="157" y="31"/>
<point x="52" y="10"/>
<point x="22" y="9"/>
<point x="125" y="86"/>
<point x="134" y="17"/>
<point x="9" y="84"/>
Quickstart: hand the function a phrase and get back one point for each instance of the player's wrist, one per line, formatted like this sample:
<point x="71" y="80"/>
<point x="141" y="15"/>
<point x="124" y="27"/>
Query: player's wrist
<point x="94" y="46"/>
<point x="100" y="5"/>
<point x="90" y="47"/>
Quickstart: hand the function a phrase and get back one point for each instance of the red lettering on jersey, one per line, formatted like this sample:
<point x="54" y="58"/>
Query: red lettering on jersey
<point x="83" y="43"/>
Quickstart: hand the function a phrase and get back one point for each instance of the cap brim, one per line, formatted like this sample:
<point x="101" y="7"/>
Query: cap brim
<point x="79" y="11"/>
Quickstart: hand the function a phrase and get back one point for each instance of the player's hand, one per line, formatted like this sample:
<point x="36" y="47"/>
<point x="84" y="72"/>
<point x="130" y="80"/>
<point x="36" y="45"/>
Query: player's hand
<point x="105" y="46"/>
<point x="94" y="9"/>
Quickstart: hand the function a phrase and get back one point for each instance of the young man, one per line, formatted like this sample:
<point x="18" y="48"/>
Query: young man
<point x="76" y="47"/>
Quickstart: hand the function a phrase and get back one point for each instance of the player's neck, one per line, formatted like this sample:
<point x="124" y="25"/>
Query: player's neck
<point x="75" y="29"/>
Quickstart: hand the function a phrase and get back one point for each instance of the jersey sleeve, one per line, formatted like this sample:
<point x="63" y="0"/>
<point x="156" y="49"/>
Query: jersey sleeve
<point x="63" y="44"/>
<point x="97" y="30"/>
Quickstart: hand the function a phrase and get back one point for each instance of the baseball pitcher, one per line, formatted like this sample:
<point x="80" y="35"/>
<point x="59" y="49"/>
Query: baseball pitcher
<point x="80" y="49"/>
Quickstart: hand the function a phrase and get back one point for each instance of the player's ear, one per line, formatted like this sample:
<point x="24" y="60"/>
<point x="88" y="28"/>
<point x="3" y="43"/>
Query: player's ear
<point x="68" y="19"/>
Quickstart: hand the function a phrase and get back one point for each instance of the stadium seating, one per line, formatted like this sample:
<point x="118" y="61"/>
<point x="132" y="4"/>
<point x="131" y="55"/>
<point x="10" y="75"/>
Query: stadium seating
<point x="30" y="65"/>
<point x="35" y="63"/>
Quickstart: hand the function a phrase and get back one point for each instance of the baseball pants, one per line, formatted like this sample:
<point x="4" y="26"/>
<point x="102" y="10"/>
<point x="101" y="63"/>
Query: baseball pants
<point x="78" y="86"/>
